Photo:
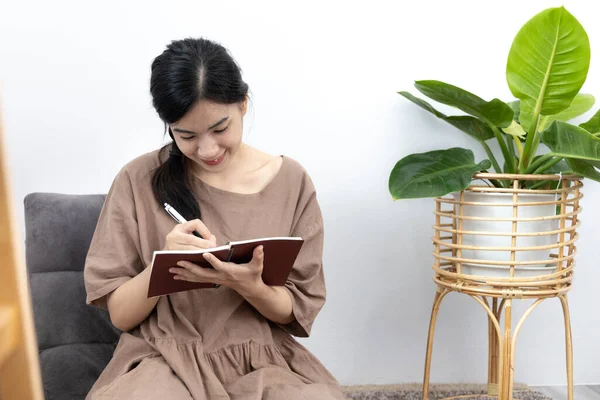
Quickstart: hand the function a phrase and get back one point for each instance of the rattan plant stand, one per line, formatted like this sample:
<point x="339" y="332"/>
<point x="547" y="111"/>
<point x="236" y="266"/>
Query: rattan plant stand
<point x="496" y="294"/>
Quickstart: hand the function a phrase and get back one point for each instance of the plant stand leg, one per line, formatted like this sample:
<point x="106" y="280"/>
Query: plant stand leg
<point x="439" y="296"/>
<point x="494" y="349"/>
<point x="508" y="366"/>
<point x="569" y="343"/>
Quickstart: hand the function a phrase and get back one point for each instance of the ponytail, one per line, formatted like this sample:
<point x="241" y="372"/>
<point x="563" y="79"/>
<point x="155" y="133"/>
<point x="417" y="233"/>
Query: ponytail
<point x="171" y="182"/>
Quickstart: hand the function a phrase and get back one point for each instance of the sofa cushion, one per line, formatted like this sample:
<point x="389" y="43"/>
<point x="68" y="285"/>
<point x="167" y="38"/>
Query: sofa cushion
<point x="69" y="371"/>
<point x="75" y="340"/>
<point x="61" y="315"/>
<point x="59" y="229"/>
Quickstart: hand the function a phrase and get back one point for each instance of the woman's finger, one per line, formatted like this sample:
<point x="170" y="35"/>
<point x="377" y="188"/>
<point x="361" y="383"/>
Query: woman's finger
<point x="184" y="275"/>
<point x="186" y="247"/>
<point x="215" y="262"/>
<point x="196" y="224"/>
<point x="185" y="239"/>
<point x="206" y="274"/>
<point x="258" y="256"/>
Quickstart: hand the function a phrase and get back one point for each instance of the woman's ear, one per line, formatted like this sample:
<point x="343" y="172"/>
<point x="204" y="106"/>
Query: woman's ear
<point x="244" y="106"/>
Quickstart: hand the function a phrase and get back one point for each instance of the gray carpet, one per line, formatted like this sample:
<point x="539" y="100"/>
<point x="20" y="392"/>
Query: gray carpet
<point x="437" y="392"/>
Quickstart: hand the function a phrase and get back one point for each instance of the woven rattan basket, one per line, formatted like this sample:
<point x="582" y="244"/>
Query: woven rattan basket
<point x="525" y="235"/>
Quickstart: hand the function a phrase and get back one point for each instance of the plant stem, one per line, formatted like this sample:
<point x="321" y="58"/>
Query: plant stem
<point x="547" y="165"/>
<point x="535" y="144"/>
<point x="540" y="184"/>
<point x="491" y="157"/>
<point x="495" y="164"/>
<point x="511" y="149"/>
<point x="510" y="162"/>
<point x="511" y="146"/>
<point x="496" y="183"/>
<point x="527" y="154"/>
<point x="538" y="162"/>
<point x="519" y="147"/>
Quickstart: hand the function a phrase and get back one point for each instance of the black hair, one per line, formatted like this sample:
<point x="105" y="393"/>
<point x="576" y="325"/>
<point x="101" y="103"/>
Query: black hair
<point x="187" y="71"/>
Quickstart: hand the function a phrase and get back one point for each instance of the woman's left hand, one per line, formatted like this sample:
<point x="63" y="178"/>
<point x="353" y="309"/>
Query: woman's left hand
<point x="246" y="279"/>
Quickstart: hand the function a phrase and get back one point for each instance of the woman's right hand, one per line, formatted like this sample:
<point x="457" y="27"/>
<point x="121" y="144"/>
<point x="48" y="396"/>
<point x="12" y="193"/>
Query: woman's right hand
<point x="181" y="237"/>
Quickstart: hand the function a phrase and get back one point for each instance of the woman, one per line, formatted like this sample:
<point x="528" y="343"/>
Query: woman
<point x="234" y="341"/>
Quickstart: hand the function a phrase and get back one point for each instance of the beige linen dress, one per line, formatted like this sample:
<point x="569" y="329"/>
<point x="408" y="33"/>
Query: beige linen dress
<point x="210" y="343"/>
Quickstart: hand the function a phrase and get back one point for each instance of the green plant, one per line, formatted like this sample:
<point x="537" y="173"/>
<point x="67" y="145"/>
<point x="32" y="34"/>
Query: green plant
<point x="547" y="66"/>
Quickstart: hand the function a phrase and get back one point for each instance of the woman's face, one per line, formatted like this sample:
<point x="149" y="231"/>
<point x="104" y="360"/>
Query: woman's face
<point x="210" y="134"/>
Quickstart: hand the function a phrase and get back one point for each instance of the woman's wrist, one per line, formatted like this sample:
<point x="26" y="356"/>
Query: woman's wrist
<point x="254" y="290"/>
<point x="273" y="302"/>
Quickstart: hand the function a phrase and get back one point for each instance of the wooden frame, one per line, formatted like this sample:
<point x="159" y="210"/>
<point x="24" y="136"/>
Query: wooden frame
<point x="496" y="294"/>
<point x="19" y="366"/>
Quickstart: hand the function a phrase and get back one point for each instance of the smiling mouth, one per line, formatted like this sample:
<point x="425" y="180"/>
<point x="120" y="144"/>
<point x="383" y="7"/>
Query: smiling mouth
<point x="216" y="160"/>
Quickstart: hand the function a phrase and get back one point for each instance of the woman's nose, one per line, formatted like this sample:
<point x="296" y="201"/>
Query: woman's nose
<point x="208" y="149"/>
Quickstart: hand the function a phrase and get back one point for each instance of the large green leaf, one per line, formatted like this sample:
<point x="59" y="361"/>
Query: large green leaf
<point x="423" y="104"/>
<point x="570" y="141"/>
<point x="584" y="168"/>
<point x="516" y="107"/>
<point x="548" y="62"/>
<point x="435" y="173"/>
<point x="469" y="125"/>
<point x="594" y="163"/>
<point x="593" y="125"/>
<point x="495" y="112"/>
<point x="526" y="120"/>
<point x="581" y="104"/>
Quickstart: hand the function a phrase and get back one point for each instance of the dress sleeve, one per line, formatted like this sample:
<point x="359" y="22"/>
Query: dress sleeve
<point x="114" y="256"/>
<point x="306" y="283"/>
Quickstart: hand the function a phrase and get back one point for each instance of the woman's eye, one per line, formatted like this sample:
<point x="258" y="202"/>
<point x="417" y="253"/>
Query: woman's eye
<point x="188" y="138"/>
<point x="222" y="130"/>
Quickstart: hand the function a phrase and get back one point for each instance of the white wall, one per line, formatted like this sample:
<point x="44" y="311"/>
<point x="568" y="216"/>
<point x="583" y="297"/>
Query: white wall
<point x="324" y="78"/>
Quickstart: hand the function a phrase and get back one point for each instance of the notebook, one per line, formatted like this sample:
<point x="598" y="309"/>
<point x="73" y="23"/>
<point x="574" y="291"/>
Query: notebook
<point x="280" y="254"/>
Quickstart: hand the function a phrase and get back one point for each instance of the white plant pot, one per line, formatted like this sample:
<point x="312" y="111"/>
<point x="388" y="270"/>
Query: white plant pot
<point x="492" y="211"/>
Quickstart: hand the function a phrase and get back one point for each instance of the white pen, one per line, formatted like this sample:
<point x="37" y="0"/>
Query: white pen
<point x="177" y="217"/>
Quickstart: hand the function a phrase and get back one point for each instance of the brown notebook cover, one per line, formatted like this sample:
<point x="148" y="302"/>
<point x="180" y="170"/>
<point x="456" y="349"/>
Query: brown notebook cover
<point x="280" y="255"/>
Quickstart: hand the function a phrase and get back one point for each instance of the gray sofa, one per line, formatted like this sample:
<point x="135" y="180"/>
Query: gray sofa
<point x="75" y="340"/>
